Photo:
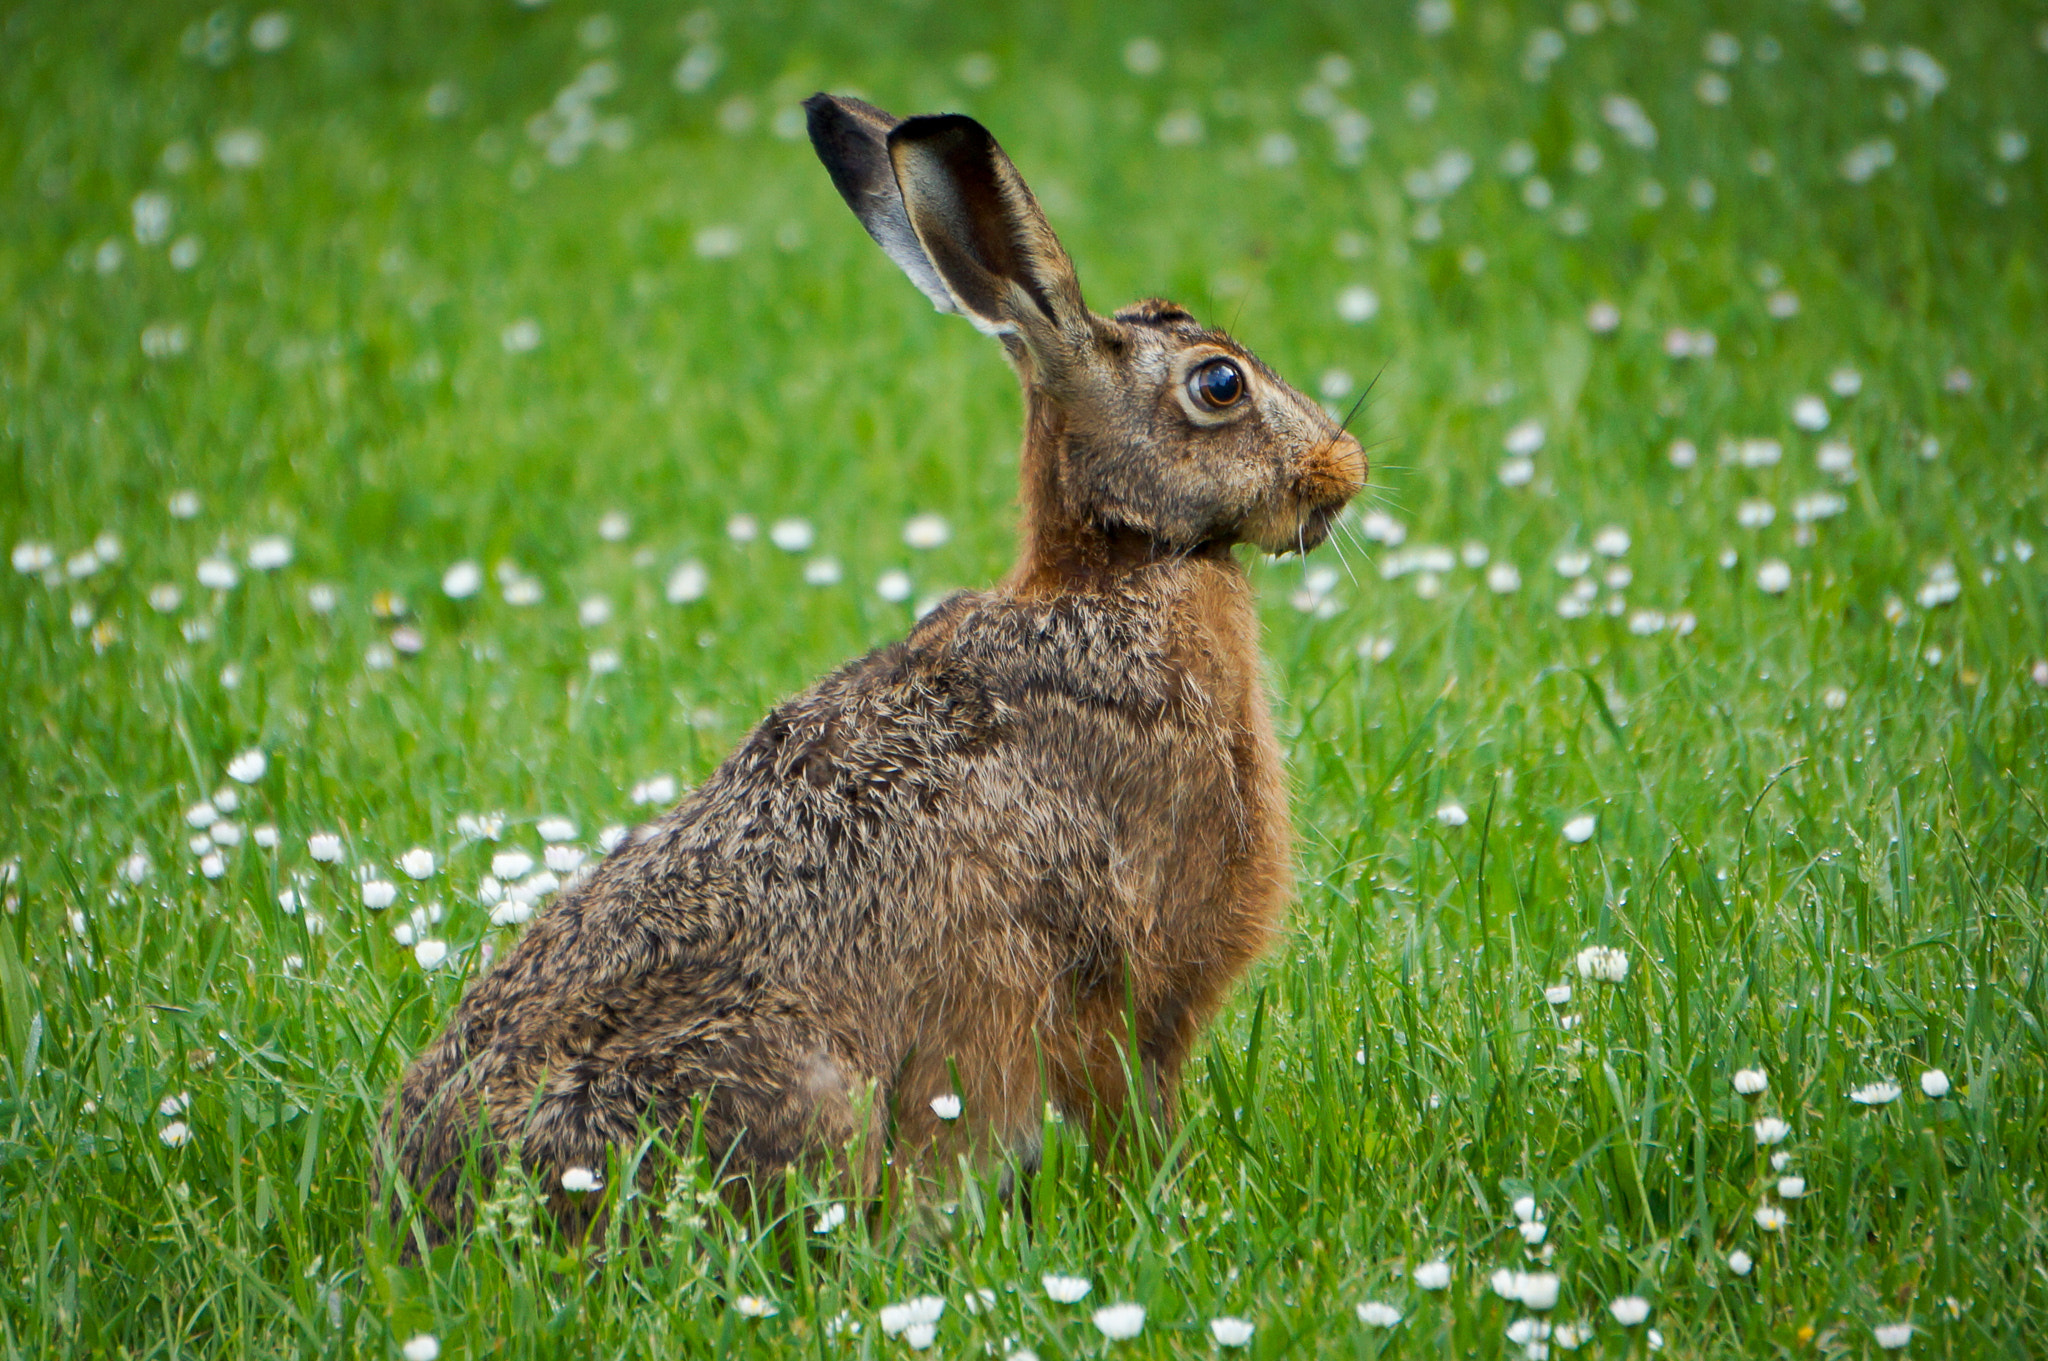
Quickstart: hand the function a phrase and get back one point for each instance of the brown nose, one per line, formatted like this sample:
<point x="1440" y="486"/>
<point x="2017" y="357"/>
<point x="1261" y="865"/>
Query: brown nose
<point x="1335" y="472"/>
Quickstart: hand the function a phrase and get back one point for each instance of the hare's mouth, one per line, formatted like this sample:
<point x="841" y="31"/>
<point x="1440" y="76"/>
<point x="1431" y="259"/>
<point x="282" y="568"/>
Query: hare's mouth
<point x="1280" y="534"/>
<point x="1315" y="526"/>
<point x="1322" y="492"/>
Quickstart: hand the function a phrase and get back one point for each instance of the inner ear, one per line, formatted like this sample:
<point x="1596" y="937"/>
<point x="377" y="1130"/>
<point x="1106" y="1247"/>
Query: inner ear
<point x="981" y="228"/>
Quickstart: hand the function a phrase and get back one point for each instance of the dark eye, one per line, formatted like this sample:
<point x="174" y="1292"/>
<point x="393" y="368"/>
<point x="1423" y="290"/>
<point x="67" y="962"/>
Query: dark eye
<point x="1217" y="384"/>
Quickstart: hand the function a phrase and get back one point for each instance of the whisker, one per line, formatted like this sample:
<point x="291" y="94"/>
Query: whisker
<point x="1337" y="545"/>
<point x="1352" y="414"/>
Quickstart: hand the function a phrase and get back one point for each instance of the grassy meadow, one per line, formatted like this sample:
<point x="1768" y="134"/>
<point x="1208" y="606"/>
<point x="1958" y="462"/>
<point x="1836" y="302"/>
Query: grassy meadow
<point x="484" y="412"/>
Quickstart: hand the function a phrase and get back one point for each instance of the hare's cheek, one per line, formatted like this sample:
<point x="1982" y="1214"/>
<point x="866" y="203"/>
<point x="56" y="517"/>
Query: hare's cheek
<point x="1276" y="525"/>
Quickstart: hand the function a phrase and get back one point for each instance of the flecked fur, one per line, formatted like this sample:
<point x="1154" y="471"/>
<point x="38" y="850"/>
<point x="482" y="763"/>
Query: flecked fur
<point x="1054" y="810"/>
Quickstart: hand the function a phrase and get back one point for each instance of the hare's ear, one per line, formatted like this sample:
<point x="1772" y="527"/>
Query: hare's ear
<point x="852" y="139"/>
<point x="983" y="232"/>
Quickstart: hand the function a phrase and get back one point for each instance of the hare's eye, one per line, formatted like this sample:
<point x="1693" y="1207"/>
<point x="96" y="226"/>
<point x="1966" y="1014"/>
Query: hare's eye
<point x="1217" y="384"/>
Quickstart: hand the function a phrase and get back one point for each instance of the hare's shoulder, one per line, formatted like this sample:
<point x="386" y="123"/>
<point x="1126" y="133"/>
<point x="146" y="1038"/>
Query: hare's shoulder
<point x="961" y="680"/>
<point x="1107" y="649"/>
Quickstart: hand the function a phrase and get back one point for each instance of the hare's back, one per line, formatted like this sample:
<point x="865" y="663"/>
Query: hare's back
<point x="938" y="777"/>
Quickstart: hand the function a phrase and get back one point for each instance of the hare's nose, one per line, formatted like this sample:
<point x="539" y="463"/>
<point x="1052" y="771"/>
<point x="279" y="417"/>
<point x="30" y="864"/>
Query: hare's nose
<point x="1351" y="455"/>
<point x="1339" y="468"/>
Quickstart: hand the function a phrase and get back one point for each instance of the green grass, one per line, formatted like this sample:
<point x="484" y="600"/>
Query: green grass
<point x="1837" y="894"/>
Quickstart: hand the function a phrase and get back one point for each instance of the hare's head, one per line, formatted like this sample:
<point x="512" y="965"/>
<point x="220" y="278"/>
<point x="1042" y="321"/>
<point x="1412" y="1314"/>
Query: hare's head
<point x="1166" y="429"/>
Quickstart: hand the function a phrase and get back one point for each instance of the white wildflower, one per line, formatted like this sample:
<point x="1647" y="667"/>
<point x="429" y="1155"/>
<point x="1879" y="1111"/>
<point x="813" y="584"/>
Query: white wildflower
<point x="1066" y="1289"/>
<point x="239" y="148"/>
<point x="1374" y="1314"/>
<point x="462" y="580"/>
<point x="926" y="531"/>
<point x="1357" y="304"/>
<point x="1603" y="963"/>
<point x="1118" y="1322"/>
<point x="1230" y="1332"/>
<point x="270" y="552"/>
<point x="897" y="1319"/>
<point x="687" y="583"/>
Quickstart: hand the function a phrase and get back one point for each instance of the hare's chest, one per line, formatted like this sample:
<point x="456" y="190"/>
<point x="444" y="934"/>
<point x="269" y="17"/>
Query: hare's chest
<point x="1227" y="725"/>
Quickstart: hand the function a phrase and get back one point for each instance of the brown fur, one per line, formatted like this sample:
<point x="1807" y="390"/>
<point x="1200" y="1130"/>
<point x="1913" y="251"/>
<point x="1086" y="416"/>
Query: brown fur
<point x="1055" y="809"/>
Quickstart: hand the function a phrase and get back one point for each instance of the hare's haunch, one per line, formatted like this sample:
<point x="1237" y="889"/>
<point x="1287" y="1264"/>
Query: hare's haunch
<point x="1050" y="821"/>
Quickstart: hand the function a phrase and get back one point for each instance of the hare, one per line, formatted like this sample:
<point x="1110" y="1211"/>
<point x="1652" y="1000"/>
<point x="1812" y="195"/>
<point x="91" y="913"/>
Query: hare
<point x="982" y="863"/>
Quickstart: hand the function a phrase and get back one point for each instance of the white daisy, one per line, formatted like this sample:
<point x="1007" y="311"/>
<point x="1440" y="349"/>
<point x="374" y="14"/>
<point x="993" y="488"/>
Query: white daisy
<point x="1066" y="1289"/>
<point x="1230" y="1332"/>
<point x="462" y="580"/>
<point x="270" y="552"/>
<point x="926" y="531"/>
<point x="1374" y="1314"/>
<point x="1118" y="1322"/>
<point x="1629" y="1310"/>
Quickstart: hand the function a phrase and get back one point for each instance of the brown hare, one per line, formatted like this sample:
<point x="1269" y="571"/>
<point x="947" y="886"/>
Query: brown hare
<point x="975" y="864"/>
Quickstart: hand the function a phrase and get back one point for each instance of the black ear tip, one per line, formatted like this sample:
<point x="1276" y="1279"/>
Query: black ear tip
<point x="822" y="116"/>
<point x="846" y="111"/>
<point x="818" y="105"/>
<point x="955" y="128"/>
